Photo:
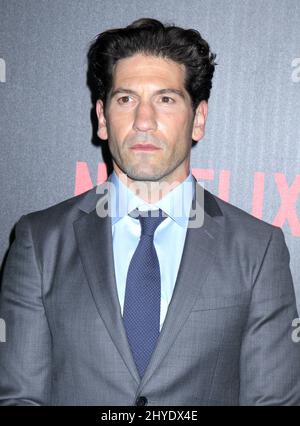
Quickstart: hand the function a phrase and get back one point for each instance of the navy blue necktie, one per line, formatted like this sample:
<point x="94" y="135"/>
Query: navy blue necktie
<point x="141" y="313"/>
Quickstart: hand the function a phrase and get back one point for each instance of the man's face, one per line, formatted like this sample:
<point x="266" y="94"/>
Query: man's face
<point x="149" y="120"/>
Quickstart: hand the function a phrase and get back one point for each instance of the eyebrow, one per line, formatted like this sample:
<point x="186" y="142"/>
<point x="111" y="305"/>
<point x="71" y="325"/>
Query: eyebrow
<point x="157" y="92"/>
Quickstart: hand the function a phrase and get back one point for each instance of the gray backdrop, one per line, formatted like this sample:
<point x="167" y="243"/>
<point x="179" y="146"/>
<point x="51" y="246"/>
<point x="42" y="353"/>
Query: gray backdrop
<point x="250" y="154"/>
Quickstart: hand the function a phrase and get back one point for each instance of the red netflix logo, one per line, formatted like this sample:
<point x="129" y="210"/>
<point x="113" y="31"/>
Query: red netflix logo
<point x="288" y="193"/>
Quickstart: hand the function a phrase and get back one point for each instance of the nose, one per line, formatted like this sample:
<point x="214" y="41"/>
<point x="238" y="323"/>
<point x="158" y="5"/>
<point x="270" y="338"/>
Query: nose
<point x="144" y="119"/>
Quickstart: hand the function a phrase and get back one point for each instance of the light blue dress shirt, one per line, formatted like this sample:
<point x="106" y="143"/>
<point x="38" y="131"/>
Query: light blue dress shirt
<point x="168" y="240"/>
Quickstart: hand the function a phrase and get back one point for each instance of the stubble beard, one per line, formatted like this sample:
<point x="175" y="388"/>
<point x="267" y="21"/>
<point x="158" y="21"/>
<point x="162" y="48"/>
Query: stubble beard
<point x="156" y="173"/>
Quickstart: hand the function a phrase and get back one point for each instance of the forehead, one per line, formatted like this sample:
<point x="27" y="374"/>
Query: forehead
<point x="145" y="69"/>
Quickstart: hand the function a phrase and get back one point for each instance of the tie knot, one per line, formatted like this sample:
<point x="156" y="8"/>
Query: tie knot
<point x="149" y="220"/>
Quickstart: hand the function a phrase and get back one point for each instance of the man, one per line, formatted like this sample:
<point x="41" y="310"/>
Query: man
<point x="107" y="303"/>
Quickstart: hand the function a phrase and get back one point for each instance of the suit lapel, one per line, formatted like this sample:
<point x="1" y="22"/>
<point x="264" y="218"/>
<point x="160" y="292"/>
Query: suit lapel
<point x="197" y="260"/>
<point x="94" y="240"/>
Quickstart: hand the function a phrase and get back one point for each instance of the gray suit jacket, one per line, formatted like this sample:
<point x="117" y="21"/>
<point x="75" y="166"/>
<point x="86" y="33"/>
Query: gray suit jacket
<point x="226" y="339"/>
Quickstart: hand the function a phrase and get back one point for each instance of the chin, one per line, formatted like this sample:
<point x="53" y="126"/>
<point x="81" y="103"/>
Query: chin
<point x="142" y="175"/>
<point x="145" y="177"/>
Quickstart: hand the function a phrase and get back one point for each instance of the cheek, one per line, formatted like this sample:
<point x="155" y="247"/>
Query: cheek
<point x="119" y="126"/>
<point x="175" y="127"/>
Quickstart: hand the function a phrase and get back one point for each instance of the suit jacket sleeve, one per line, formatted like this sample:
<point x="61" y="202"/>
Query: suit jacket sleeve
<point x="25" y="377"/>
<point x="270" y="360"/>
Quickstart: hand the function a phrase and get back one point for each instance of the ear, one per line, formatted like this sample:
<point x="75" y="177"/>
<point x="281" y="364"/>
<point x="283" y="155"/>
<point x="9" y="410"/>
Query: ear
<point x="102" y="129"/>
<point x="199" y="121"/>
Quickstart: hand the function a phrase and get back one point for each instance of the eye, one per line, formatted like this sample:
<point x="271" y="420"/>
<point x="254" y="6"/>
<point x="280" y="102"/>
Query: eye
<point x="124" y="100"/>
<point x="167" y="100"/>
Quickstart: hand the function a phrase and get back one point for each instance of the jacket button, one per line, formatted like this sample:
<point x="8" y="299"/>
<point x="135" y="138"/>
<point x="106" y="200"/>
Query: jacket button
<point x="142" y="400"/>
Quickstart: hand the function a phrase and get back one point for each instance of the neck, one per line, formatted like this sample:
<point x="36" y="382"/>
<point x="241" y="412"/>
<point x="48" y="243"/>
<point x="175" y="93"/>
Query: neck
<point x="150" y="191"/>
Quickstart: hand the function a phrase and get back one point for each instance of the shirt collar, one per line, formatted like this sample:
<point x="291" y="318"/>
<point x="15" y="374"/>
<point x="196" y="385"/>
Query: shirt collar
<point x="176" y="203"/>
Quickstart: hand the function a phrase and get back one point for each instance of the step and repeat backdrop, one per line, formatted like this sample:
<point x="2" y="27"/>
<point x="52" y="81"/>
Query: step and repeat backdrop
<point x="250" y="155"/>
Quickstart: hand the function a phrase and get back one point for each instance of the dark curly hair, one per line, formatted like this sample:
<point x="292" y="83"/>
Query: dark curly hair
<point x="151" y="37"/>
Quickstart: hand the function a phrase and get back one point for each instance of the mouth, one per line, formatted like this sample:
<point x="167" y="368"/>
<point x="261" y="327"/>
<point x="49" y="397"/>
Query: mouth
<point x="144" y="147"/>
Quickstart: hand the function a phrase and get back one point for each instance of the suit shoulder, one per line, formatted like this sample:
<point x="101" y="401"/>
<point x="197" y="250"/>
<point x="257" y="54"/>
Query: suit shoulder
<point x="58" y="212"/>
<point x="240" y="221"/>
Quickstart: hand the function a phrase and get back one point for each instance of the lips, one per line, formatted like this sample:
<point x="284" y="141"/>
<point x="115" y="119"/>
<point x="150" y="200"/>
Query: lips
<point x="145" y="147"/>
